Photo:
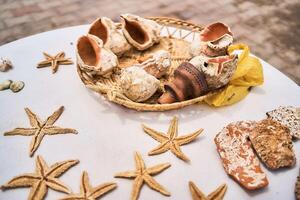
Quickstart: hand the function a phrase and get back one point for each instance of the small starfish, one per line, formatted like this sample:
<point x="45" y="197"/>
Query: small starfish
<point x="143" y="174"/>
<point x="87" y="192"/>
<point x="170" y="141"/>
<point x="39" y="129"/>
<point x="54" y="61"/>
<point x="43" y="178"/>
<point x="218" y="194"/>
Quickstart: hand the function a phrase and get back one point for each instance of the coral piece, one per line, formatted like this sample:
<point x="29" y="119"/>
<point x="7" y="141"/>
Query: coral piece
<point x="273" y="144"/>
<point x="213" y="41"/>
<point x="171" y="141"/>
<point x="16" y="86"/>
<point x="39" y="128"/>
<point x="5" y="85"/>
<point x="54" y="61"/>
<point x="87" y="192"/>
<point x="288" y="116"/>
<point x="157" y="64"/>
<point x="113" y="38"/>
<point x="218" y="71"/>
<point x="43" y="178"/>
<point x="5" y="65"/>
<point x="93" y="58"/>
<point x="144" y="175"/>
<point x="188" y="83"/>
<point x="218" y="194"/>
<point x="139" y="32"/>
<point x="137" y="84"/>
<point x="238" y="158"/>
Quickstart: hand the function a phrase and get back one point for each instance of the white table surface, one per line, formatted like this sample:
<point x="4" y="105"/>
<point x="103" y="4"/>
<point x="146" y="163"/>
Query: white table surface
<point x="109" y="134"/>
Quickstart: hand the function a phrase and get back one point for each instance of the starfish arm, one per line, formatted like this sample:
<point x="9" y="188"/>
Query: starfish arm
<point x="54" y="130"/>
<point x="21" y="131"/>
<point x="175" y="148"/>
<point x="33" y="118"/>
<point x="173" y="129"/>
<point x="65" y="61"/>
<point x="218" y="194"/>
<point x="163" y="147"/>
<point x="84" y="183"/>
<point x="139" y="162"/>
<point x="127" y="174"/>
<point x="47" y="56"/>
<point x="102" y="189"/>
<point x="188" y="138"/>
<point x="136" y="188"/>
<point x="158" y="136"/>
<point x="54" y="66"/>
<point x="60" y="55"/>
<point x="25" y="180"/>
<point x="73" y="197"/>
<point x="55" y="184"/>
<point x="158" y="168"/>
<point x="38" y="191"/>
<point x="60" y="167"/>
<point x="55" y="115"/>
<point x="196" y="193"/>
<point x="35" y="142"/>
<point x="44" y="63"/>
<point x="153" y="184"/>
<point x="40" y="165"/>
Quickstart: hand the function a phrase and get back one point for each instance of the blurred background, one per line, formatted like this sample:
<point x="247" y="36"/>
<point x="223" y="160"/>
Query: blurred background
<point x="270" y="27"/>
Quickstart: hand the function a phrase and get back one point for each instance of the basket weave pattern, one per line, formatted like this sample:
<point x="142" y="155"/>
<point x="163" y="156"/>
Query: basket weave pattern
<point x="175" y="41"/>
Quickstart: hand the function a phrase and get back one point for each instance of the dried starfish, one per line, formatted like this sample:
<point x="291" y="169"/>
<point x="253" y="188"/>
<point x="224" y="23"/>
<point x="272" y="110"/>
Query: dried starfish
<point x="170" y="141"/>
<point x="218" y="194"/>
<point x="143" y="174"/>
<point x="54" y="61"/>
<point x="43" y="178"/>
<point x="40" y="129"/>
<point x="87" y="192"/>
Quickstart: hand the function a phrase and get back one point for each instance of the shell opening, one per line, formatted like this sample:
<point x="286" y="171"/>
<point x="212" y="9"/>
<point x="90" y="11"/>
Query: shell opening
<point x="136" y="32"/>
<point x="99" y="30"/>
<point x="88" y="51"/>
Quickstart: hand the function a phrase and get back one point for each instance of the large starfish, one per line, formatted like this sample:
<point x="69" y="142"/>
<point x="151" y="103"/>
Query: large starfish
<point x="170" y="141"/>
<point x="87" y="192"/>
<point x="39" y="129"/>
<point x="218" y="194"/>
<point x="143" y="175"/>
<point x="43" y="178"/>
<point x="54" y="61"/>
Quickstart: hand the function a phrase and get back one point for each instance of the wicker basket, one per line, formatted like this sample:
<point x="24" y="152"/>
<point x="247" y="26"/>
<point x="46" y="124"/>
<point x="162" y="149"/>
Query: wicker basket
<point x="176" y="37"/>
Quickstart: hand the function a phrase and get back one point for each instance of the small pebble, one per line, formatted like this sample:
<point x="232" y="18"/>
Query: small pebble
<point x="5" y="85"/>
<point x="5" y="65"/>
<point x="17" y="86"/>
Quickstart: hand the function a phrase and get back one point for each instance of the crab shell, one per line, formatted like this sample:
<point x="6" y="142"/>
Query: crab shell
<point x="157" y="64"/>
<point x="218" y="70"/>
<point x="137" y="84"/>
<point x="213" y="41"/>
<point x="93" y="58"/>
<point x="139" y="32"/>
<point x="113" y="39"/>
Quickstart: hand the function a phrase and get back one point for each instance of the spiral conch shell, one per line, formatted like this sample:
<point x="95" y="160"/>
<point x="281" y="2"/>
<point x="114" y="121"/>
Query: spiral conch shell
<point x="137" y="84"/>
<point x="139" y="32"/>
<point x="218" y="70"/>
<point x="94" y="58"/>
<point x="213" y="41"/>
<point x="113" y="38"/>
<point x="157" y="64"/>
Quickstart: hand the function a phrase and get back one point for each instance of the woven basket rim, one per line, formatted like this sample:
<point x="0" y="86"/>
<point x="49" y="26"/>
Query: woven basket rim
<point x="167" y="22"/>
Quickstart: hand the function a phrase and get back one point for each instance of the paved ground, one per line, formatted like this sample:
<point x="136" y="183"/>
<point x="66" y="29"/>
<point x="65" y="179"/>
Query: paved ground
<point x="270" y="27"/>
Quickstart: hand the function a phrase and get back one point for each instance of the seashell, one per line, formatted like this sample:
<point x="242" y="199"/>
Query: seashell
<point x="93" y="57"/>
<point x="297" y="188"/>
<point x="213" y="41"/>
<point x="5" y="85"/>
<point x="189" y="82"/>
<point x="137" y="84"/>
<point x="158" y="63"/>
<point x="238" y="158"/>
<point x="139" y="32"/>
<point x="5" y="65"/>
<point x="113" y="38"/>
<point x="217" y="71"/>
<point x="288" y="116"/>
<point x="273" y="144"/>
<point x="16" y="86"/>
